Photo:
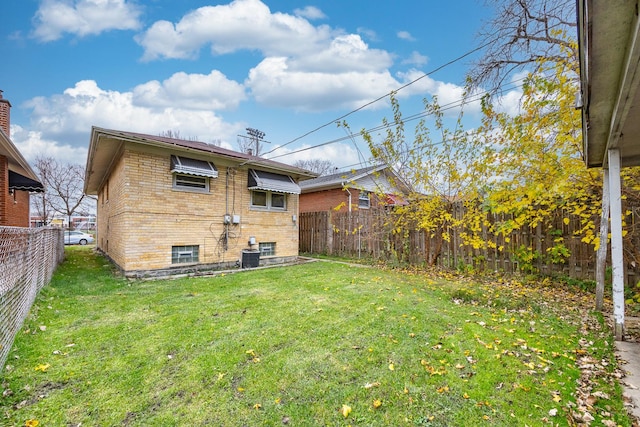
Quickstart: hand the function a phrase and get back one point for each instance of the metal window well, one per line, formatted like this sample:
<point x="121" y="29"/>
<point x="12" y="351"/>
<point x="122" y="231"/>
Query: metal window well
<point x="250" y="258"/>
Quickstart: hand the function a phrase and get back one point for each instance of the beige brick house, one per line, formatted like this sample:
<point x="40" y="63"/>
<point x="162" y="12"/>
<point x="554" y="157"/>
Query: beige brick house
<point x="170" y="206"/>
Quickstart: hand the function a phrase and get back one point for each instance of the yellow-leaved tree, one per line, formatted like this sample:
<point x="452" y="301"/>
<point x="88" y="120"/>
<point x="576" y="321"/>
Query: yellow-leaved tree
<point x="537" y="166"/>
<point x="514" y="175"/>
<point x="441" y="167"/>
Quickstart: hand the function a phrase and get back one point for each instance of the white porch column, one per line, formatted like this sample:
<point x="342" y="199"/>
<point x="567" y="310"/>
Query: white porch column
<point x="601" y="258"/>
<point x="617" y="261"/>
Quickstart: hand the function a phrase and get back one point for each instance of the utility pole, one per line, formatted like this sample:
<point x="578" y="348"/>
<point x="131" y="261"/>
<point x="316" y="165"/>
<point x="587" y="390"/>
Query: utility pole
<point x="257" y="136"/>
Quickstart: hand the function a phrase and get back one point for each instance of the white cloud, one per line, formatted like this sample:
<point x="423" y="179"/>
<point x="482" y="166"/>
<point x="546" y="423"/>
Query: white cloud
<point x="32" y="145"/>
<point x="509" y="102"/>
<point x="449" y="95"/>
<point x="191" y="91"/>
<point x="273" y="83"/>
<point x="405" y="35"/>
<point x="83" y="17"/>
<point x="310" y="12"/>
<point x="242" y="24"/>
<point x="344" y="53"/>
<point x="69" y="117"/>
<point x="368" y="33"/>
<point x="416" y="59"/>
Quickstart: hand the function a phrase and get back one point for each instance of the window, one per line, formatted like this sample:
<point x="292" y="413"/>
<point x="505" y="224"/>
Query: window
<point x="267" y="248"/>
<point x="191" y="182"/>
<point x="192" y="174"/>
<point x="184" y="254"/>
<point x="269" y="200"/>
<point x="278" y="201"/>
<point x="364" y="200"/>
<point x="259" y="198"/>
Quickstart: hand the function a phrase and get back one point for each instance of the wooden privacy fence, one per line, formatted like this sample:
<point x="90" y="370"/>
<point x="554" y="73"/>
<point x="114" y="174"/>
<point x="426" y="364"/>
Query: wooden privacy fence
<point x="552" y="247"/>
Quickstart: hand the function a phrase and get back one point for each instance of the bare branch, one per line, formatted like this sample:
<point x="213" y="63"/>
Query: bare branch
<point x="64" y="184"/>
<point x="520" y="35"/>
<point x="321" y="167"/>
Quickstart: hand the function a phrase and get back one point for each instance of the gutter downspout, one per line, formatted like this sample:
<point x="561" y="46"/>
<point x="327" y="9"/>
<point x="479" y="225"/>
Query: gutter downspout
<point x="349" y="193"/>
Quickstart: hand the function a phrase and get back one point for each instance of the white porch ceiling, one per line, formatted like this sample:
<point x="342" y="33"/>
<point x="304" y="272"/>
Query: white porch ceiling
<point x="610" y="76"/>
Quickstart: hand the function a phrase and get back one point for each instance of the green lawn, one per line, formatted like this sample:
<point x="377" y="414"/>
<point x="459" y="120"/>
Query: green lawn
<point x="314" y="344"/>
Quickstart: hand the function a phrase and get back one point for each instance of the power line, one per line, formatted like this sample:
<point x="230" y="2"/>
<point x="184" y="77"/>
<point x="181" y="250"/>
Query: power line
<point x="383" y="96"/>
<point x="445" y="107"/>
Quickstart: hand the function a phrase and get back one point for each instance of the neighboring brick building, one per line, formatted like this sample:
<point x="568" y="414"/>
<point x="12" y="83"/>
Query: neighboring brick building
<point x="17" y="179"/>
<point x="169" y="206"/>
<point x="356" y="189"/>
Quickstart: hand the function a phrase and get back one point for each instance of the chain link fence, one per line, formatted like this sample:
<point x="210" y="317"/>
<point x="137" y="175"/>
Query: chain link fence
<point x="28" y="258"/>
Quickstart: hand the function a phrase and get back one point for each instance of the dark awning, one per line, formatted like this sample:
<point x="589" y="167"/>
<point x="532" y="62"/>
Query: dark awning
<point x="261" y="180"/>
<point x="19" y="182"/>
<point x="196" y="167"/>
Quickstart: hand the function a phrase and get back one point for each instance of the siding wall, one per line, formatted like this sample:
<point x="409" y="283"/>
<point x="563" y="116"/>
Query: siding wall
<point x="145" y="216"/>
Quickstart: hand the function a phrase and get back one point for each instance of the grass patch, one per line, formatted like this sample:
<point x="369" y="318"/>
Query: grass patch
<point x="301" y="345"/>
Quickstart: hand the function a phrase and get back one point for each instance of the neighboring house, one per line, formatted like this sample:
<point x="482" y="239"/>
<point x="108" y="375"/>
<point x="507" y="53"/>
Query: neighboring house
<point x="17" y="179"/>
<point x="356" y="189"/>
<point x="170" y="206"/>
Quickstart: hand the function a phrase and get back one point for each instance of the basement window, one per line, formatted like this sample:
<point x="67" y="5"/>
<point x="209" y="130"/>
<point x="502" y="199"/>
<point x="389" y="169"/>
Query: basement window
<point x="184" y="254"/>
<point x="267" y="248"/>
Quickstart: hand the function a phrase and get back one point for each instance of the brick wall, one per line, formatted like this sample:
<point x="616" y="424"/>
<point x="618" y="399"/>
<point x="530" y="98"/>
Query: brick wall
<point x="14" y="208"/>
<point x="4" y="190"/>
<point x="335" y="199"/>
<point x="18" y="209"/>
<point x="145" y="216"/>
<point x="325" y="200"/>
<point x="5" y="109"/>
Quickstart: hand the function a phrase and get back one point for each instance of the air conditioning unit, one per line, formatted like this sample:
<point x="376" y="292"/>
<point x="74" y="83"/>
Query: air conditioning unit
<point x="250" y="258"/>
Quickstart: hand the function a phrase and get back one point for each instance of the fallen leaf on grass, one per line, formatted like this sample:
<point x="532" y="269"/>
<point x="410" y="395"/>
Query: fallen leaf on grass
<point x="345" y="410"/>
<point x="31" y="423"/>
<point x="42" y="367"/>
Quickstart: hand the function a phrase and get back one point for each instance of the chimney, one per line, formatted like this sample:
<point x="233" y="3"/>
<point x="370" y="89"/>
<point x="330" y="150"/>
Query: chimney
<point x="5" y="107"/>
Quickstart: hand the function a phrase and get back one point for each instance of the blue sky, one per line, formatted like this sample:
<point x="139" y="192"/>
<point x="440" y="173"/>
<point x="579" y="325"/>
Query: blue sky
<point x="210" y="69"/>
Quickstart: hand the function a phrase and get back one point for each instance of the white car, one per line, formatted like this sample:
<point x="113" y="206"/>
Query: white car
<point x="77" y="238"/>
